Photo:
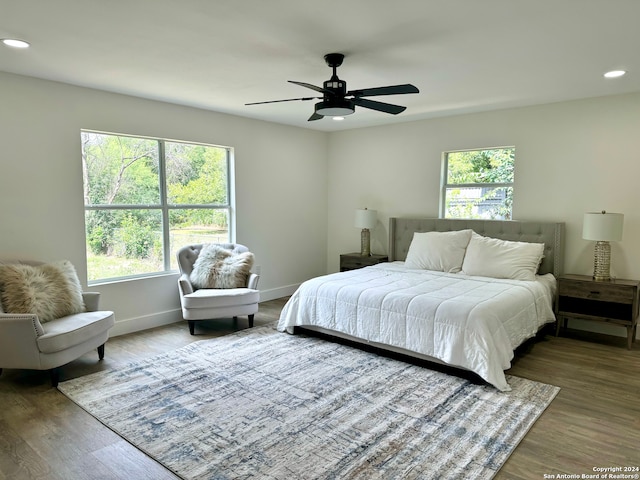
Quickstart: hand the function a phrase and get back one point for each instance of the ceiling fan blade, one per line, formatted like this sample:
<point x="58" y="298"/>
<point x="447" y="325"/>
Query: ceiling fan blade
<point x="390" y="90"/>
<point x="380" y="106"/>
<point x="315" y="116"/>
<point x="285" y="100"/>
<point x="312" y="87"/>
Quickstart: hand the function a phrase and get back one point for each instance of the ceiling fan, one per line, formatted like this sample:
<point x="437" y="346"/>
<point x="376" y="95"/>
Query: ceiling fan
<point x="337" y="101"/>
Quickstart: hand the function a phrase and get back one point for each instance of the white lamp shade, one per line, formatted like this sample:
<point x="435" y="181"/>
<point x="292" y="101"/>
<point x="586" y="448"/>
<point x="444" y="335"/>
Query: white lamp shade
<point x="602" y="227"/>
<point x="366" y="218"/>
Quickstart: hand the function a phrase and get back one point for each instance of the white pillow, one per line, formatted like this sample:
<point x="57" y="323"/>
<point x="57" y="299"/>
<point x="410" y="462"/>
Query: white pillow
<point x="439" y="251"/>
<point x="491" y="257"/>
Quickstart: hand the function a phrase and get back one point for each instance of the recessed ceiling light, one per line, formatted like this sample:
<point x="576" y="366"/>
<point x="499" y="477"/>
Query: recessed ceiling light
<point x="614" y="74"/>
<point x="14" y="42"/>
<point x="338" y="119"/>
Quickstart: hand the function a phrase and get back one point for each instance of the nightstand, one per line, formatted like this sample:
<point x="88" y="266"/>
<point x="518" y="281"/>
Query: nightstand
<point x="351" y="261"/>
<point x="616" y="301"/>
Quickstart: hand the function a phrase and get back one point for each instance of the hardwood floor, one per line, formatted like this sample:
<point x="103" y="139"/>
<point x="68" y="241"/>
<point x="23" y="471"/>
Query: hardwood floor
<point x="593" y="422"/>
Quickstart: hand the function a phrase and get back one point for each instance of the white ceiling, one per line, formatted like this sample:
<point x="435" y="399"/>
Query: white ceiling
<point x="463" y="55"/>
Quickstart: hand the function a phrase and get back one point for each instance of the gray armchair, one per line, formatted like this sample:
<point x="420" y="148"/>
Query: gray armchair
<point x="27" y="343"/>
<point x="211" y="303"/>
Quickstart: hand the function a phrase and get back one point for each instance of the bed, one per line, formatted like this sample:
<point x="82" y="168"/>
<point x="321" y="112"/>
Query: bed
<point x="463" y="293"/>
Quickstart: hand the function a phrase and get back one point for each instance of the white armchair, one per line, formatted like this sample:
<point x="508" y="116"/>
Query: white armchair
<point x="212" y="303"/>
<point x="27" y="343"/>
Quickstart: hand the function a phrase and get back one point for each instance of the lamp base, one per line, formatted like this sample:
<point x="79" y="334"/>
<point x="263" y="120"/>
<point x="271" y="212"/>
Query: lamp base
<point x="365" y="243"/>
<point x="602" y="262"/>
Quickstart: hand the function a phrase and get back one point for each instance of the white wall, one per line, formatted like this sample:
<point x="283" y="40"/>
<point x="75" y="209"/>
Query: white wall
<point x="297" y="189"/>
<point x="280" y="171"/>
<point x="571" y="158"/>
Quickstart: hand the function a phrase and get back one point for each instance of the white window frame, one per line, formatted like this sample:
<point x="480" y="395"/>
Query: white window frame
<point x="164" y="206"/>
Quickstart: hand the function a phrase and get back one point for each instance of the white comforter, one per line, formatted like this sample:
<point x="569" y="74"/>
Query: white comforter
<point x="469" y="322"/>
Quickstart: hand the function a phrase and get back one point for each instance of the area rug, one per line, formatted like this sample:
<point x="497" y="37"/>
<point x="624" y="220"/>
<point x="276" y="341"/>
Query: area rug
<point x="262" y="404"/>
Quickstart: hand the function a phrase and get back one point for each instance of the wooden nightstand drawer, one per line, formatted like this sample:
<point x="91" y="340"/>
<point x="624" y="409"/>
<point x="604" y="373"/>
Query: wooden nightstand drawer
<point x="597" y="291"/>
<point x="352" y="261"/>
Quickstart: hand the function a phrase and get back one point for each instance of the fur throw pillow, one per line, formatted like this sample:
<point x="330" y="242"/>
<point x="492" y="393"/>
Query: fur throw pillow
<point x="217" y="267"/>
<point x="50" y="290"/>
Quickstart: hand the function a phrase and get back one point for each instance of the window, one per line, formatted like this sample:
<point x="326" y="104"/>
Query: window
<point x="145" y="198"/>
<point x="478" y="184"/>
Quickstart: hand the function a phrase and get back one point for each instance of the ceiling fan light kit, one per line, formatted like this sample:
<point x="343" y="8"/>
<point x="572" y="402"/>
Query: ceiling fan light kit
<point x="335" y="107"/>
<point x="337" y="101"/>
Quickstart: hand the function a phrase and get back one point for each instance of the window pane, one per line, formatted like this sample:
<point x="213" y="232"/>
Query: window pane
<point x="479" y="202"/>
<point x="120" y="170"/>
<point x="481" y="166"/>
<point x="196" y="174"/>
<point x="197" y="226"/>
<point x="122" y="243"/>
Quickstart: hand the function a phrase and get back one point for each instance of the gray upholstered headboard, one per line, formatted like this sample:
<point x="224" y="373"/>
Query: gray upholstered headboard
<point x="551" y="234"/>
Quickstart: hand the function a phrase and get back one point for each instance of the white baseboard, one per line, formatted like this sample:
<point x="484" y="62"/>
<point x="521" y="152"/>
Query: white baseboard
<point x="273" y="293"/>
<point x="145" y="322"/>
<point x="136" y="324"/>
<point x="131" y="325"/>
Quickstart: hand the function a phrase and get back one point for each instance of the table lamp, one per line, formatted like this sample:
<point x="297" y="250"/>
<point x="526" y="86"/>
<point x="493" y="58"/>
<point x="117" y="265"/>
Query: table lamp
<point x="366" y="220"/>
<point x="602" y="227"/>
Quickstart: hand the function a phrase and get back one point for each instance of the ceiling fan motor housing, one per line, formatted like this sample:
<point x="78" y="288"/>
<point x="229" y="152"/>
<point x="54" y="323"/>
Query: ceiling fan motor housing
<point x="335" y="86"/>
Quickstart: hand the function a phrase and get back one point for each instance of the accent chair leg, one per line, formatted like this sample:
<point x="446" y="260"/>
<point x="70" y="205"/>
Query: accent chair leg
<point x="0" y="371"/>
<point x="101" y="352"/>
<point x="251" y="321"/>
<point x="54" y="373"/>
<point x="192" y="327"/>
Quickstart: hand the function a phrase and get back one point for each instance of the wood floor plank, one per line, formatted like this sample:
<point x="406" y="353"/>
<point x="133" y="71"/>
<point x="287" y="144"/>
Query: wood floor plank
<point x="127" y="463"/>
<point x="594" y="420"/>
<point x="18" y="460"/>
